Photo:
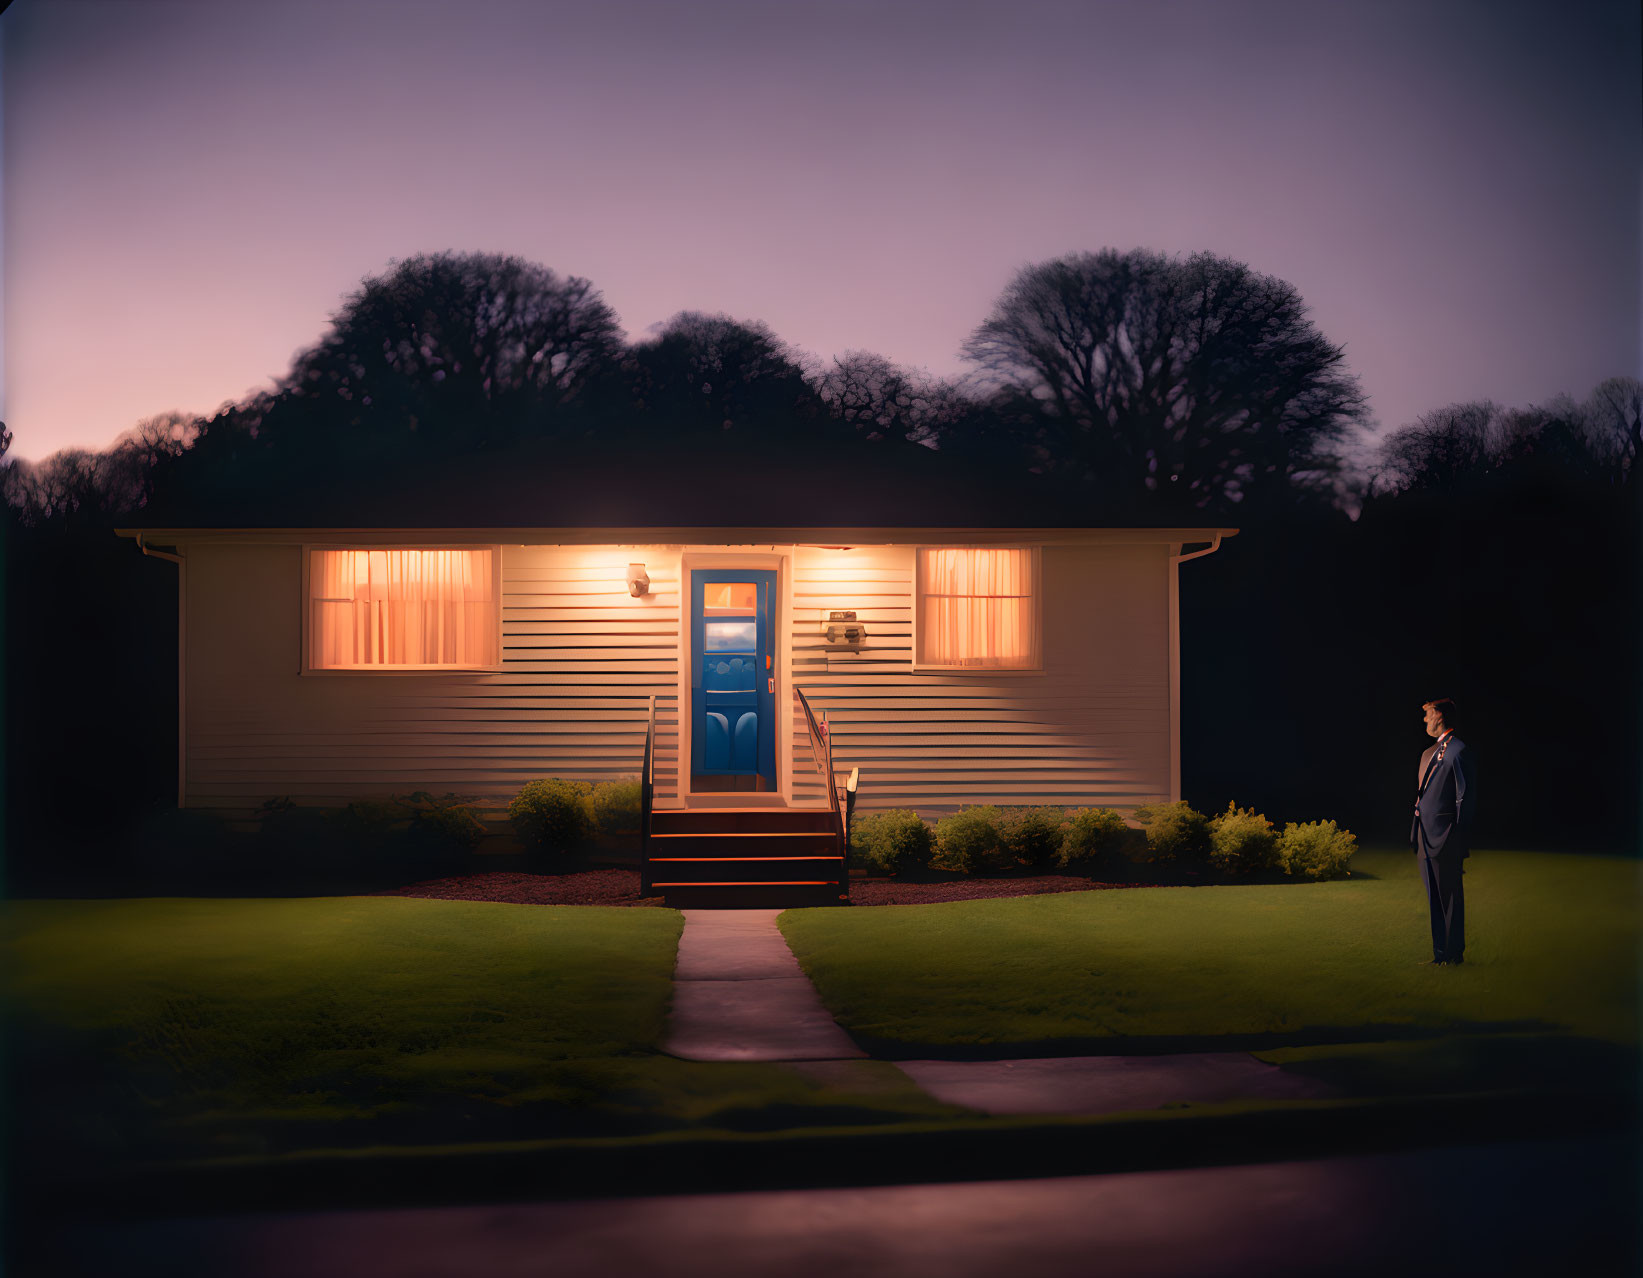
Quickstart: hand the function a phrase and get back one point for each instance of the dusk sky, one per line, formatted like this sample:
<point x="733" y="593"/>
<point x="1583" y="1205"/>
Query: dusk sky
<point x="191" y="188"/>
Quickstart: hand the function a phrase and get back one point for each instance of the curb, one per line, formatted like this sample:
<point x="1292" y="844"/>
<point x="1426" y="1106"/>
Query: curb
<point x="811" y="1158"/>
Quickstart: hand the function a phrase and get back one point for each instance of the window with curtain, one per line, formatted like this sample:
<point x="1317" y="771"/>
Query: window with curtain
<point x="403" y="609"/>
<point x="978" y="607"/>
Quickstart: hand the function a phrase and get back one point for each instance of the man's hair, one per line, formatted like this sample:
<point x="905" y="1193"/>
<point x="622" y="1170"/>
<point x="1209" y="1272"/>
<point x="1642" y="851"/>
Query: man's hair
<point x="1448" y="709"/>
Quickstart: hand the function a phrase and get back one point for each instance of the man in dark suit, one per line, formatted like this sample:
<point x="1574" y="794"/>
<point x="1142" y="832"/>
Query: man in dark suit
<point x="1441" y="831"/>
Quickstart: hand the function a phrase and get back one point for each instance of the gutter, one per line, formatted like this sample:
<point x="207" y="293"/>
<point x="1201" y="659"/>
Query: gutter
<point x="178" y="559"/>
<point x="1175" y="559"/>
<point x="1175" y="562"/>
<point x="182" y="659"/>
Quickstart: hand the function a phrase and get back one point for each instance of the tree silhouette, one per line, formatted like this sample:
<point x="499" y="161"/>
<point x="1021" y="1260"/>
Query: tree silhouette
<point x="1447" y="448"/>
<point x="1197" y="379"/>
<point x="712" y="373"/>
<point x="468" y="348"/>
<point x="1613" y="421"/>
<point x="883" y="400"/>
<point x="1469" y="447"/>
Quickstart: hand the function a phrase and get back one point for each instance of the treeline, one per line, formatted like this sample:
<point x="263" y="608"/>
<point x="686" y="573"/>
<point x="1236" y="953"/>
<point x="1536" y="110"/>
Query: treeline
<point x="1131" y="380"/>
<point x="1493" y="555"/>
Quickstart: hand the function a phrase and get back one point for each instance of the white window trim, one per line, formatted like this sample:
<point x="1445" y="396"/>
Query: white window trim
<point x="305" y="638"/>
<point x="1040" y="669"/>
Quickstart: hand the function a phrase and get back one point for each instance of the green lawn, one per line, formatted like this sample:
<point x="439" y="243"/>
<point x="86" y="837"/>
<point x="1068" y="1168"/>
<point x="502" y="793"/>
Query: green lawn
<point x="1552" y="945"/>
<point x="180" y="1030"/>
<point x="196" y="1028"/>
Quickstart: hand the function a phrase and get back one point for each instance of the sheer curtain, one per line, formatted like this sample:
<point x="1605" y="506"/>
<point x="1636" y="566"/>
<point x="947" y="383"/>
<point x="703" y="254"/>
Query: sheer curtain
<point x="978" y="608"/>
<point x="377" y="608"/>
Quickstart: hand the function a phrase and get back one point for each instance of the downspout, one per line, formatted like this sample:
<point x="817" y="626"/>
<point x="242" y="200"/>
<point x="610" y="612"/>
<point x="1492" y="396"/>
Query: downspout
<point x="1175" y="562"/>
<point x="1199" y="554"/>
<point x="182" y="663"/>
<point x="158" y="554"/>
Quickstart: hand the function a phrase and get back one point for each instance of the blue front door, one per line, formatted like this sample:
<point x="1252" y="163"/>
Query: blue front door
<point x="733" y="679"/>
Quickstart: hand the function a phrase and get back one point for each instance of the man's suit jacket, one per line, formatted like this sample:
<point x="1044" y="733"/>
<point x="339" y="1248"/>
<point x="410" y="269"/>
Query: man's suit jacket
<point x="1446" y="804"/>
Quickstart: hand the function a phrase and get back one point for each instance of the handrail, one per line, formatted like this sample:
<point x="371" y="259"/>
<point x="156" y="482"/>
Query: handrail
<point x="821" y="744"/>
<point x="646" y="794"/>
<point x="850" y="808"/>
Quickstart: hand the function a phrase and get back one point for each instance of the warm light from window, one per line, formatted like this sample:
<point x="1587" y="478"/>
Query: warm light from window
<point x="978" y="607"/>
<point x="380" y="609"/>
<point x="729" y="598"/>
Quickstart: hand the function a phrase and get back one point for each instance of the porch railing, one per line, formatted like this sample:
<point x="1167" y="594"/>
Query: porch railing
<point x="821" y="747"/>
<point x="647" y="791"/>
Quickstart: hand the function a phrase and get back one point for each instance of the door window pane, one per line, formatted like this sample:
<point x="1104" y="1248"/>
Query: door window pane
<point x="728" y="636"/>
<point x="729" y="598"/>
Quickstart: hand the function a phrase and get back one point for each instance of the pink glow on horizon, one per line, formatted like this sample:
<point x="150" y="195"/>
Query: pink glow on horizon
<point x="192" y="189"/>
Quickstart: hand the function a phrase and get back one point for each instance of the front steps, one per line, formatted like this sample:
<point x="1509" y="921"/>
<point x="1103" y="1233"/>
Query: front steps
<point x="752" y="858"/>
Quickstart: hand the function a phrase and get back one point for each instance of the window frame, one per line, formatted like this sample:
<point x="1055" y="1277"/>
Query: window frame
<point x="920" y="666"/>
<point x="305" y="640"/>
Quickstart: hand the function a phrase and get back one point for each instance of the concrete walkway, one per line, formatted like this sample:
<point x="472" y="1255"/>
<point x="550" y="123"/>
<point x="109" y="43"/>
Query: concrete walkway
<point x="1108" y="1084"/>
<point x="740" y="995"/>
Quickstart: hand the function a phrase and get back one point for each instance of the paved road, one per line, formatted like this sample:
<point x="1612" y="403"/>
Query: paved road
<point x="1514" y="1208"/>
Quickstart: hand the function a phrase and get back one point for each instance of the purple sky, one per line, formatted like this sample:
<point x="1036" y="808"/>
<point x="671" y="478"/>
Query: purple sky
<point x="191" y="187"/>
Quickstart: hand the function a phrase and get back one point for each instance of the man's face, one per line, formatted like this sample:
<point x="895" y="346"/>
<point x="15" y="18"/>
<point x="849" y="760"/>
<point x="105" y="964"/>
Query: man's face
<point x="1434" y="721"/>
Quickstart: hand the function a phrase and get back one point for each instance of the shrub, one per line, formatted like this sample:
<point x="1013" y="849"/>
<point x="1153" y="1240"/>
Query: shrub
<point x="446" y="821"/>
<point x="551" y="815"/>
<point x="369" y="825"/>
<point x="1242" y="842"/>
<point x="1093" y="834"/>
<point x="892" y="841"/>
<point x="1319" y="850"/>
<point x="614" y="806"/>
<point x="1174" y="832"/>
<point x="1032" y="836"/>
<point x="968" y="842"/>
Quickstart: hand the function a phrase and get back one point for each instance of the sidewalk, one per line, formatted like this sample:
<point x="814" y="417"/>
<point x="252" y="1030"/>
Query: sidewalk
<point x="740" y="995"/>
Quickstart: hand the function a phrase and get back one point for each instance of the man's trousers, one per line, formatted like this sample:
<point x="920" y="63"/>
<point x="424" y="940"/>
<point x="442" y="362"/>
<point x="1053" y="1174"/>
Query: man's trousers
<point x="1445" y="894"/>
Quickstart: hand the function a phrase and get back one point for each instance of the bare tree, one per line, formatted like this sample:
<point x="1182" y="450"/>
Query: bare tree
<point x="1613" y="420"/>
<point x="1198" y="377"/>
<point x="1440" y="449"/>
<point x="884" y="400"/>
<point x="1464" y="445"/>
<point x="469" y="337"/>
<point x="712" y="372"/>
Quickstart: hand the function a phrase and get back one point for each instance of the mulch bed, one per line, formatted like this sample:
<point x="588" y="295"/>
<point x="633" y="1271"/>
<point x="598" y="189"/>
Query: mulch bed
<point x="621" y="887"/>
<point x="902" y="892"/>
<point x="586" y="887"/>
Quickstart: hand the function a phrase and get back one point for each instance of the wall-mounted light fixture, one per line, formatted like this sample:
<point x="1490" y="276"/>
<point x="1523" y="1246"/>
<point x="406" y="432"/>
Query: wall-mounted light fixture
<point x="638" y="581"/>
<point x="841" y="629"/>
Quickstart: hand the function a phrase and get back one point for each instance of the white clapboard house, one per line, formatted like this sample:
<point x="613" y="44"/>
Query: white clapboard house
<point x="737" y="670"/>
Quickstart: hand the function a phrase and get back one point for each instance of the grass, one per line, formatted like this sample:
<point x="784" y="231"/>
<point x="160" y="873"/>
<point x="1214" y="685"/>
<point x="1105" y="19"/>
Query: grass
<point x="1552" y="946"/>
<point x="223" y="1032"/>
<point x="185" y="1028"/>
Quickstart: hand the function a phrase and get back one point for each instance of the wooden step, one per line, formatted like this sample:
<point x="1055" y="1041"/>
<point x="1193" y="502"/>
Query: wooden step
<point x="772" y="843"/>
<point x="666" y="872"/>
<point x="753" y="896"/>
<point x="739" y="820"/>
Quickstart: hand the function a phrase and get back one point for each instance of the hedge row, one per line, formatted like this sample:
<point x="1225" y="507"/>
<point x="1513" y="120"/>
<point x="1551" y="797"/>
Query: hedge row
<point x="371" y="842"/>
<point x="991" y="840"/>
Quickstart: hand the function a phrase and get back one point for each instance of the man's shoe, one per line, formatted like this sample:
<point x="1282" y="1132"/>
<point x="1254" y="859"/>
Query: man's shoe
<point x="1435" y="963"/>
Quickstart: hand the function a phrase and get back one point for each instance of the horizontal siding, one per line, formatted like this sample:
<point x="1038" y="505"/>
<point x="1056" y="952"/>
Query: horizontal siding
<point x="1093" y="728"/>
<point x="581" y="658"/>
